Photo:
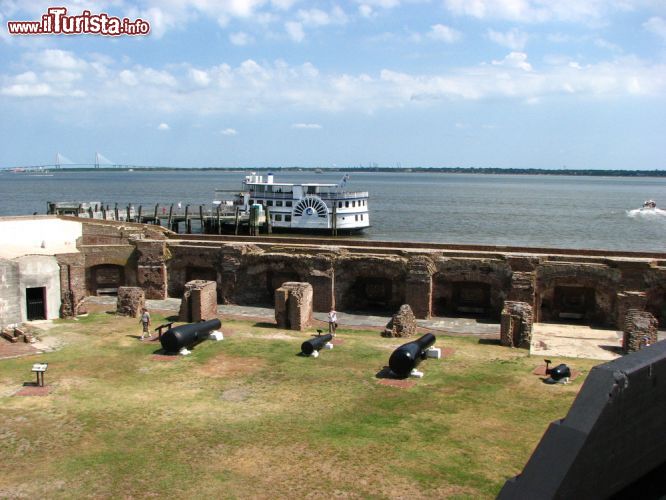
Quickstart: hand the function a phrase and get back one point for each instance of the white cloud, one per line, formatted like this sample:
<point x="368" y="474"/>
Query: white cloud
<point x="295" y="31"/>
<point x="253" y="87"/>
<point x="58" y="59"/>
<point x="657" y="26"/>
<point x="306" y="126"/>
<point x="443" y="33"/>
<point x="27" y="89"/>
<point x="513" y="39"/>
<point x="128" y="78"/>
<point x="163" y="126"/>
<point x="365" y="10"/>
<point x="229" y="131"/>
<point x="537" y="11"/>
<point x="515" y="60"/>
<point x="199" y="77"/>
<point x="240" y="39"/>
<point x="318" y="17"/>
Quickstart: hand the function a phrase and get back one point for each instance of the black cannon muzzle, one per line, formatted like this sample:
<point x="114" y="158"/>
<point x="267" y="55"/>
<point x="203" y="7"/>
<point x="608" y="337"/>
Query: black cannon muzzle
<point x="174" y="339"/>
<point x="315" y="344"/>
<point x="406" y="357"/>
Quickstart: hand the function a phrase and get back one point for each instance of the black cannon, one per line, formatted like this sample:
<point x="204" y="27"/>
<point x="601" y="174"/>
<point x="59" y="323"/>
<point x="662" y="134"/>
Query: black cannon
<point x="558" y="372"/>
<point x="315" y="344"/>
<point x="406" y="357"/>
<point x="174" y="339"/>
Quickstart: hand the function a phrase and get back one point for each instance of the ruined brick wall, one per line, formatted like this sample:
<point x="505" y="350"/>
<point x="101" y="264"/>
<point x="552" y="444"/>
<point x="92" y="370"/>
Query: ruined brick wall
<point x="577" y="290"/>
<point x="516" y="324"/>
<point x="418" y="289"/>
<point x="130" y="301"/>
<point x="199" y="302"/>
<point x="293" y="306"/>
<point x="435" y="280"/>
<point x="627" y="300"/>
<point x="402" y="324"/>
<point x="72" y="284"/>
<point x="640" y="330"/>
<point x="470" y="286"/>
<point x="151" y="267"/>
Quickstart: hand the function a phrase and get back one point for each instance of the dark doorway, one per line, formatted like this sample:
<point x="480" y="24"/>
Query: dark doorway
<point x="106" y="278"/>
<point x="574" y="302"/>
<point x="372" y="295"/>
<point x="36" y="303"/>
<point x="275" y="279"/>
<point x="471" y="298"/>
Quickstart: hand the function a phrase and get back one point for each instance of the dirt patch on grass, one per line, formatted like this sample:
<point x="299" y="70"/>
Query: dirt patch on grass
<point x="34" y="390"/>
<point x="225" y="366"/>
<point x="165" y="357"/>
<point x="14" y="350"/>
<point x="394" y="382"/>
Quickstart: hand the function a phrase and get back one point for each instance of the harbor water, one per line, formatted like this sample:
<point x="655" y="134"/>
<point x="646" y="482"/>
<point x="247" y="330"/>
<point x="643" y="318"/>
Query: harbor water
<point x="516" y="210"/>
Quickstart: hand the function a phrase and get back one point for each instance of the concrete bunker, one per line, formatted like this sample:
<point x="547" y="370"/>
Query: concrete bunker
<point x="105" y="279"/>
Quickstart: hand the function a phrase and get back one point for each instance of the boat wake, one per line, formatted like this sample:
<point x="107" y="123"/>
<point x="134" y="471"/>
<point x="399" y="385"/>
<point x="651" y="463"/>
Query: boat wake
<point x="646" y="213"/>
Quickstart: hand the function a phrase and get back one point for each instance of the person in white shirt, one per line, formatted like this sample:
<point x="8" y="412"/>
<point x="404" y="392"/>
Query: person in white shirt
<point x="145" y="323"/>
<point x="332" y="321"/>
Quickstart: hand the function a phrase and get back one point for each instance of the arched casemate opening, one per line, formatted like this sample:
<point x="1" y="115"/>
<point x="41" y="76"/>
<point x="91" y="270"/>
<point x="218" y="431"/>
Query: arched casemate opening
<point x="105" y="279"/>
<point x="368" y="288"/>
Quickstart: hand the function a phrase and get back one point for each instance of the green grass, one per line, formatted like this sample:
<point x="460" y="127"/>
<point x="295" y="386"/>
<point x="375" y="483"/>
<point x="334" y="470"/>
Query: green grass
<point x="248" y="417"/>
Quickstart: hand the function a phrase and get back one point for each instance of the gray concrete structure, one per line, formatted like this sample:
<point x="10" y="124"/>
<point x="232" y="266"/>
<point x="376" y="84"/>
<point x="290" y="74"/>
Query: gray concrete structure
<point x="10" y="312"/>
<point x="35" y="272"/>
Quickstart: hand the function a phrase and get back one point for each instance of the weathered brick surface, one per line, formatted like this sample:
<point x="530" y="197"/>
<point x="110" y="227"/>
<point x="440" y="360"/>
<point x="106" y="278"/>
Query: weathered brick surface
<point x="418" y="287"/>
<point x="72" y="284"/>
<point x="516" y="324"/>
<point x="293" y="306"/>
<point x="130" y="301"/>
<point x="627" y="300"/>
<point x="640" y="330"/>
<point x="402" y="324"/>
<point x="199" y="302"/>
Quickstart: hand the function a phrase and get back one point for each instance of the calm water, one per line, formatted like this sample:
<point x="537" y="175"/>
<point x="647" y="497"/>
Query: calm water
<point x="566" y="212"/>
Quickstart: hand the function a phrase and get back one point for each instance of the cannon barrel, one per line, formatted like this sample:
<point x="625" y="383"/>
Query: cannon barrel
<point x="560" y="372"/>
<point x="315" y="344"/>
<point x="174" y="339"/>
<point x="406" y="357"/>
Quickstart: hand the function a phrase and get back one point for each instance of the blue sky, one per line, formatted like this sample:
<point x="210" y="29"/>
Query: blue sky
<point x="266" y="83"/>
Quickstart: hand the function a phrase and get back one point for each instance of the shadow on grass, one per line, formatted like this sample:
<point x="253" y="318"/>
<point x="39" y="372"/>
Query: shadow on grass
<point x="265" y="324"/>
<point x="489" y="341"/>
<point x="386" y="372"/>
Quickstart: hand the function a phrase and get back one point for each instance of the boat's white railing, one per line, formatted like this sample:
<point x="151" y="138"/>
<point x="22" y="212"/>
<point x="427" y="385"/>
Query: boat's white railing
<point x="342" y="195"/>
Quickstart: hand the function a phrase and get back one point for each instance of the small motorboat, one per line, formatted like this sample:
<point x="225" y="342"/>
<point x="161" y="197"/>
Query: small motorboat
<point x="649" y="205"/>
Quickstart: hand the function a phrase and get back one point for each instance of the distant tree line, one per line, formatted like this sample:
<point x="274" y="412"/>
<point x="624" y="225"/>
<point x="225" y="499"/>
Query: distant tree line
<point x="448" y="170"/>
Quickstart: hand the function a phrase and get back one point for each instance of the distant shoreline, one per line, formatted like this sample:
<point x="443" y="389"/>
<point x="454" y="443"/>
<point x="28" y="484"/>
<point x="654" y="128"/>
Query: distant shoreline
<point x="416" y="170"/>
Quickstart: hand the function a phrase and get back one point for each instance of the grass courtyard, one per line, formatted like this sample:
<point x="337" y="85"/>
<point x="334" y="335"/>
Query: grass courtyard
<point x="249" y="418"/>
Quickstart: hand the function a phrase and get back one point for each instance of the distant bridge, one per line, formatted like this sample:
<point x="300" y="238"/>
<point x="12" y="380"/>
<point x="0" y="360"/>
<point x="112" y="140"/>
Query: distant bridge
<point x="62" y="161"/>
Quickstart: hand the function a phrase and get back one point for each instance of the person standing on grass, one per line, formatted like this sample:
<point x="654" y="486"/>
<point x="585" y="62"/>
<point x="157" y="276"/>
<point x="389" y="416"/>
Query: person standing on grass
<point x="145" y="322"/>
<point x="332" y="321"/>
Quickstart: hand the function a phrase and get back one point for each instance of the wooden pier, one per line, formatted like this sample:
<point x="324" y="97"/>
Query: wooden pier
<point x="174" y="216"/>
